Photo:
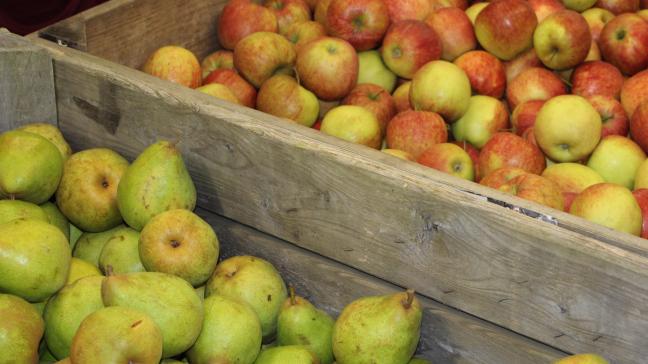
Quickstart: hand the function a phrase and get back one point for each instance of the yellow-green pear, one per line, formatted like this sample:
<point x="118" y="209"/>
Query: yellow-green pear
<point x="117" y="335"/>
<point x="179" y="242"/>
<point x="169" y="300"/>
<point x="21" y="329"/>
<point x="44" y="355"/>
<point x="35" y="259"/>
<point x="121" y="253"/>
<point x="300" y="323"/>
<point x="378" y="329"/>
<point x="67" y="309"/>
<point x="582" y="359"/>
<point x="87" y="194"/>
<point x="79" y="268"/>
<point x="254" y="281"/>
<point x="200" y="291"/>
<point x="419" y="361"/>
<point x="231" y="333"/>
<point x="40" y="306"/>
<point x="16" y="209"/>
<point x="75" y="234"/>
<point x="56" y="218"/>
<point x="90" y="245"/>
<point x="51" y="133"/>
<point x="30" y="167"/>
<point x="155" y="182"/>
<point x="293" y="354"/>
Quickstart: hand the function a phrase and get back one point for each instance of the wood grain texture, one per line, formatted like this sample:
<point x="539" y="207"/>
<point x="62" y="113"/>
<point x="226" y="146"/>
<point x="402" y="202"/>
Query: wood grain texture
<point x="447" y="335"/>
<point x="395" y="220"/>
<point x="26" y="83"/>
<point x="128" y="31"/>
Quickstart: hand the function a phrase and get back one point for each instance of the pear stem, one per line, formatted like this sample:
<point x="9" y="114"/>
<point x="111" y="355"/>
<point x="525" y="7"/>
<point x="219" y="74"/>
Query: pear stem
<point x="109" y="270"/>
<point x="293" y="300"/>
<point x="410" y="298"/>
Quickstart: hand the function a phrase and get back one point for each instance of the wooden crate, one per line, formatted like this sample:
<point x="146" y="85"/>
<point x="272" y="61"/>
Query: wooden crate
<point x="545" y="274"/>
<point x="448" y="335"/>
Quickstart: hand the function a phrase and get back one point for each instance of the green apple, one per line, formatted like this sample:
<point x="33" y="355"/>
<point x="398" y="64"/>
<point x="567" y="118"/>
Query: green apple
<point x="474" y="10"/>
<point x="354" y="124"/>
<point x="611" y="205"/>
<point x="441" y="87"/>
<point x="485" y="116"/>
<point x="372" y="69"/>
<point x="617" y="160"/>
<point x="567" y="128"/>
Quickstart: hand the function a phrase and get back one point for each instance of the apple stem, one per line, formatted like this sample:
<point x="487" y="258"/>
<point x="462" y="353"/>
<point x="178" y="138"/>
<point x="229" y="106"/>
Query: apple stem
<point x="410" y="298"/>
<point x="293" y="300"/>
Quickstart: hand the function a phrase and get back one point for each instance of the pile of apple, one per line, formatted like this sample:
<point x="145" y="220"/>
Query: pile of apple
<point x="544" y="99"/>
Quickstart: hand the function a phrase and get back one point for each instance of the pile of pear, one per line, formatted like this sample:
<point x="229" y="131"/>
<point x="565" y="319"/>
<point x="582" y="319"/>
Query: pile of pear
<point x="105" y="261"/>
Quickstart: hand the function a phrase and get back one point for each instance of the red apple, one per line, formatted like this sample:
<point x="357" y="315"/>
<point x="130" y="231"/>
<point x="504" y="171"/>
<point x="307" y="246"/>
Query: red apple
<point x="217" y="60"/>
<point x="572" y="179"/>
<point x="455" y="30"/>
<point x="611" y="205"/>
<point x="288" y="12"/>
<point x="534" y="84"/>
<point x="282" y="96"/>
<point x="407" y="9"/>
<point x="544" y="8"/>
<point x="644" y="4"/>
<point x="523" y="62"/>
<point x="261" y="55"/>
<point x="175" y="64"/>
<point x="439" y="4"/>
<point x="317" y="125"/>
<point x="375" y="99"/>
<point x="408" y="45"/>
<point x="304" y="32"/>
<point x="474" y="10"/>
<point x="416" y="131"/>
<point x="506" y="149"/>
<point x="319" y="15"/>
<point x="500" y="176"/>
<point x="641" y="195"/>
<point x="448" y="158"/>
<point x="639" y="125"/>
<point x="597" y="78"/>
<point x="505" y="28"/>
<point x="524" y="115"/>
<point x="624" y="43"/>
<point x="535" y="188"/>
<point x="613" y="118"/>
<point x="634" y="91"/>
<point x="618" y="6"/>
<point x="596" y="18"/>
<point x="240" y="18"/>
<point x="401" y="97"/>
<point x="485" y="72"/>
<point x="243" y="90"/>
<point x="220" y="91"/>
<point x="312" y="4"/>
<point x="529" y="136"/>
<point x="473" y="153"/>
<point x="562" y="40"/>
<point x="362" y="23"/>
<point x="399" y="153"/>
<point x="328" y="67"/>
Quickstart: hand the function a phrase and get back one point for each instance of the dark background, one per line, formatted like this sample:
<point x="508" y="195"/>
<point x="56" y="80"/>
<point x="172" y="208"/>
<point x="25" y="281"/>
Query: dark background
<point x="26" y="16"/>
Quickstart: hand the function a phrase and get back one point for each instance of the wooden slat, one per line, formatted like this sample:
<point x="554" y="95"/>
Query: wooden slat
<point x="395" y="220"/>
<point x="447" y="335"/>
<point x="26" y="83"/>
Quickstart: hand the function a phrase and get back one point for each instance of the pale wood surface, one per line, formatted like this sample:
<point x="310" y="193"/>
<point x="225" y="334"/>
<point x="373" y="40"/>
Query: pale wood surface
<point x="26" y="82"/>
<point x="395" y="220"/>
<point x="447" y="335"/>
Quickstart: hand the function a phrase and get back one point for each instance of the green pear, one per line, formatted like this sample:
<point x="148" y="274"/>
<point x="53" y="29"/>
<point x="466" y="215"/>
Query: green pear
<point x="90" y="245"/>
<point x="200" y="291"/>
<point x="64" y="361"/>
<point x="44" y="355"/>
<point x="179" y="242"/>
<point x="172" y="361"/>
<point x="155" y="182"/>
<point x="117" y="335"/>
<point x="87" y="194"/>
<point x="293" y="354"/>
<point x="35" y="259"/>
<point x="300" y="323"/>
<point x="75" y="234"/>
<point x="255" y="282"/>
<point x="16" y="209"/>
<point x="170" y="300"/>
<point x="378" y="329"/>
<point x="21" y="329"/>
<point x="121" y="252"/>
<point x="56" y="218"/>
<point x="51" y="133"/>
<point x="30" y="167"/>
<point x="582" y="359"/>
<point x="67" y="309"/>
<point x="40" y="306"/>
<point x="79" y="268"/>
<point x="231" y="333"/>
<point x="419" y="361"/>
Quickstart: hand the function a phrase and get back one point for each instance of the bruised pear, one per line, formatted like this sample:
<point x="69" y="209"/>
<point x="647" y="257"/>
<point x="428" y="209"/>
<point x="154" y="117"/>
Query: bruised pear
<point x="30" y="167"/>
<point x="155" y="182"/>
<point x="300" y="323"/>
<point x="56" y="218"/>
<point x="21" y="329"/>
<point x="293" y="354"/>
<point x="179" y="242"/>
<point x="169" y="300"/>
<point x="87" y="195"/>
<point x="15" y="209"/>
<point x="378" y="329"/>
<point x="117" y="335"/>
<point x="51" y="133"/>
<point x="34" y="259"/>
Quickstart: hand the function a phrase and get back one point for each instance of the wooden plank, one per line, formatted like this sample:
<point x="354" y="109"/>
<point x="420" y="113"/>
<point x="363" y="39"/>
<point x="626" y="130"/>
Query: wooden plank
<point x="128" y="31"/>
<point x="447" y="335"/>
<point x="395" y="220"/>
<point x="26" y="83"/>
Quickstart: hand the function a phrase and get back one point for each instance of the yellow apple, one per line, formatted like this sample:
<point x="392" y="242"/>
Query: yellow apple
<point x="582" y="359"/>
<point x="572" y="177"/>
<point x="219" y="91"/>
<point x="617" y="159"/>
<point x="485" y="116"/>
<point x="474" y="10"/>
<point x="641" y="177"/>
<point x="441" y="87"/>
<point x="354" y="124"/>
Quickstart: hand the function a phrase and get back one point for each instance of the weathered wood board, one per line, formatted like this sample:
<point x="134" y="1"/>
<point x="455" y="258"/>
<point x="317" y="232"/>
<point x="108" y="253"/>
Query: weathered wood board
<point x="398" y="221"/>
